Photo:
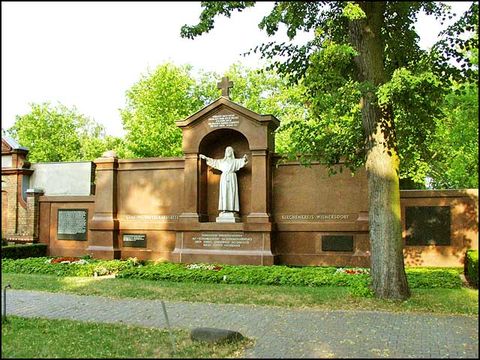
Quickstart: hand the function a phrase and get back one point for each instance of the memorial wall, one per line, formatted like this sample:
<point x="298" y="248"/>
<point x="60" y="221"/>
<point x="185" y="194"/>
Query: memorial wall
<point x="64" y="223"/>
<point x="215" y="205"/>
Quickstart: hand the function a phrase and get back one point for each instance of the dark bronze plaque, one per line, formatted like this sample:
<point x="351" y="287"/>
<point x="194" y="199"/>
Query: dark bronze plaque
<point x="135" y="240"/>
<point x="427" y="225"/>
<point x="337" y="243"/>
<point x="72" y="224"/>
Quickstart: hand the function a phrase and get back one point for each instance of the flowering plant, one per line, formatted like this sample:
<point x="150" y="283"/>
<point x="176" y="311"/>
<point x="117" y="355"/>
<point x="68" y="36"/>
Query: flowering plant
<point x="67" y="260"/>
<point x="352" y="271"/>
<point x="203" y="267"/>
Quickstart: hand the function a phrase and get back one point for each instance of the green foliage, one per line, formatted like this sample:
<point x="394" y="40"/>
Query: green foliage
<point x="245" y="274"/>
<point x="362" y="288"/>
<point x="334" y="126"/>
<point x="42" y="265"/>
<point x="457" y="41"/>
<point x="213" y="8"/>
<point x="265" y="92"/>
<point x="279" y="275"/>
<point x="416" y="99"/>
<point x="431" y="278"/>
<point x="172" y="93"/>
<point x="353" y="11"/>
<point x="58" y="133"/>
<point x="415" y="86"/>
<point x="23" y="251"/>
<point x="454" y="145"/>
<point x="154" y="103"/>
<point x="471" y="267"/>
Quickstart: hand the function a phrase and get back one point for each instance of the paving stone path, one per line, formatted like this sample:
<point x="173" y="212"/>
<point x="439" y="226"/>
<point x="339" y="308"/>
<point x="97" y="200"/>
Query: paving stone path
<point x="279" y="332"/>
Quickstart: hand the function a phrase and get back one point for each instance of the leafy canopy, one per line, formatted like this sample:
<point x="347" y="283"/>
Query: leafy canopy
<point x="172" y="93"/>
<point x="417" y="81"/>
<point x="58" y="133"/>
<point x="154" y="103"/>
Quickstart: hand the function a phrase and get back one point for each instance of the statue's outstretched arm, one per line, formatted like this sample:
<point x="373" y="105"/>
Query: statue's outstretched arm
<point x="245" y="157"/>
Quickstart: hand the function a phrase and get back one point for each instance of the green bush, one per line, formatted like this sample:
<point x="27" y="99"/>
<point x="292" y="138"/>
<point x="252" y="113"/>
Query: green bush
<point x="43" y="266"/>
<point x="245" y="274"/>
<point x="313" y="276"/>
<point x="429" y="278"/>
<point x="23" y="251"/>
<point x="471" y="267"/>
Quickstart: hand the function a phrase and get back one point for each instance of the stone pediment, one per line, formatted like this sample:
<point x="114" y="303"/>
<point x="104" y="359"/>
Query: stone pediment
<point x="225" y="114"/>
<point x="227" y="105"/>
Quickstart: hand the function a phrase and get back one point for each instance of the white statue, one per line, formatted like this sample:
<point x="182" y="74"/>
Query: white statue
<point x="228" y="202"/>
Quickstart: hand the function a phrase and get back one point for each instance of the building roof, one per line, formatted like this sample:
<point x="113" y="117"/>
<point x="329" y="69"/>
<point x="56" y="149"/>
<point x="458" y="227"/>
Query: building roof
<point x="13" y="143"/>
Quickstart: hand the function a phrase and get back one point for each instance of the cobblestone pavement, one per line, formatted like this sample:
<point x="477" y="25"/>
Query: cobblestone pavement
<point x="279" y="332"/>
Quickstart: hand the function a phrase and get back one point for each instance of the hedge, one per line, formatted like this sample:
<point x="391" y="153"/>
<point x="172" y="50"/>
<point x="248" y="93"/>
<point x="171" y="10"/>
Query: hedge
<point x="431" y="277"/>
<point x="41" y="265"/>
<point x="471" y="267"/>
<point x="312" y="276"/>
<point x="23" y="251"/>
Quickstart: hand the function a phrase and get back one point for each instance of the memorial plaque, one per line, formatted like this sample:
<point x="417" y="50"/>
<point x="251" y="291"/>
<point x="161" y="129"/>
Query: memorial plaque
<point x="135" y="240"/>
<point x="222" y="240"/>
<point x="427" y="225"/>
<point x="223" y="120"/>
<point x="315" y="217"/>
<point x="72" y="224"/>
<point x="151" y="217"/>
<point x="337" y="243"/>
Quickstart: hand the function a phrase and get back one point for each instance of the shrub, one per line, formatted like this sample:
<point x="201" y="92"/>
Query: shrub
<point x="428" y="278"/>
<point x="358" y="280"/>
<point x="471" y="267"/>
<point x="23" y="251"/>
<point x="44" y="266"/>
<point x="244" y="274"/>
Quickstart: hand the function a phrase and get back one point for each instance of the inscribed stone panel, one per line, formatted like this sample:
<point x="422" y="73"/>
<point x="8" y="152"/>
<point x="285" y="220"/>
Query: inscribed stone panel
<point x="427" y="225"/>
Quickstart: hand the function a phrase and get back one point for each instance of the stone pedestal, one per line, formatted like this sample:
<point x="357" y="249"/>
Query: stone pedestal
<point x="224" y="243"/>
<point x="228" y="217"/>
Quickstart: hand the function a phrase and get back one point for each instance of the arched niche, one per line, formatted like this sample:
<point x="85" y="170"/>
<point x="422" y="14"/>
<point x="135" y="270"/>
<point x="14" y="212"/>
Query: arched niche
<point x="213" y="145"/>
<point x="203" y="131"/>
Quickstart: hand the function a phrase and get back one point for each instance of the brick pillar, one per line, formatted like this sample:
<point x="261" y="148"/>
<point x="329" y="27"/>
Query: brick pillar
<point x="103" y="239"/>
<point x="33" y="213"/>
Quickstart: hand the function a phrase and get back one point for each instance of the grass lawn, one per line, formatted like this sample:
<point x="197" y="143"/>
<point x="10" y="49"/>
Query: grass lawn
<point x="42" y="338"/>
<point x="446" y="301"/>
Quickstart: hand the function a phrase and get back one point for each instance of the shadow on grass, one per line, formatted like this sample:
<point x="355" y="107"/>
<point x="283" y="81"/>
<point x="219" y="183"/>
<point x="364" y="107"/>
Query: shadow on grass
<point x="448" y="301"/>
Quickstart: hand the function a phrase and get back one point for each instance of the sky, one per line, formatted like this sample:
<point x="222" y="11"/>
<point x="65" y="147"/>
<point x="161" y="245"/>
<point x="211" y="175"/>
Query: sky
<point x="88" y="54"/>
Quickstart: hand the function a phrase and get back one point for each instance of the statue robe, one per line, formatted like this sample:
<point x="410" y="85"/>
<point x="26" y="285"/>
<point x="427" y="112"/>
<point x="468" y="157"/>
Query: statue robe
<point x="228" y="194"/>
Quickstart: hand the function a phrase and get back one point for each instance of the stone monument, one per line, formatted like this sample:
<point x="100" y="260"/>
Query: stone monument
<point x="226" y="211"/>
<point x="228" y="203"/>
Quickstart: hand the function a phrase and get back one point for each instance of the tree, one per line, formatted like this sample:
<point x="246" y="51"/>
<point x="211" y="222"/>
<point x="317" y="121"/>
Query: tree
<point x="59" y="133"/>
<point x="154" y="103"/>
<point x="357" y="50"/>
<point x="265" y="92"/>
<point x="454" y="146"/>
<point x="171" y="93"/>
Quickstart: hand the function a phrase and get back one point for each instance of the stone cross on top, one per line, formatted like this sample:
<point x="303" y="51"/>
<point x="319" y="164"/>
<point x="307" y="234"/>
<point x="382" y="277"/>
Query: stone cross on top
<point x="225" y="86"/>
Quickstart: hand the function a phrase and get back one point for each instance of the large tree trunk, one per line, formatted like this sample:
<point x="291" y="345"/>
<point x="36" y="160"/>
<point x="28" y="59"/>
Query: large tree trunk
<point x="387" y="269"/>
